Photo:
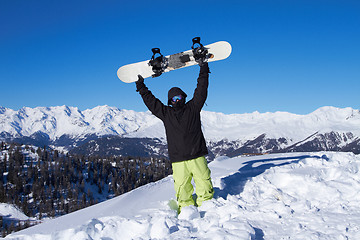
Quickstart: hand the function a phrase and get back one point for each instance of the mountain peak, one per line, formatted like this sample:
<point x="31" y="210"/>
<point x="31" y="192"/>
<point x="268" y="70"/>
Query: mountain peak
<point x="105" y="120"/>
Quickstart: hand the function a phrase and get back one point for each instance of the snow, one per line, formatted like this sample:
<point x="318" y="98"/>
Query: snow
<point x="9" y="211"/>
<point x="280" y="124"/>
<point x="106" y="120"/>
<point x="275" y="196"/>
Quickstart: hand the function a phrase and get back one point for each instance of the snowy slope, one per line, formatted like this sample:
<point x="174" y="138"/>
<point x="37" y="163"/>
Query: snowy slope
<point x="12" y="212"/>
<point x="104" y="120"/>
<point x="275" y="196"/>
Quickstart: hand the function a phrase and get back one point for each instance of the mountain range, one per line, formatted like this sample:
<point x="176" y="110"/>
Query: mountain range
<point x="106" y="130"/>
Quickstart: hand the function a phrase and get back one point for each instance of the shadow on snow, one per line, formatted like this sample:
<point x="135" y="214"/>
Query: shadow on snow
<point x="234" y="184"/>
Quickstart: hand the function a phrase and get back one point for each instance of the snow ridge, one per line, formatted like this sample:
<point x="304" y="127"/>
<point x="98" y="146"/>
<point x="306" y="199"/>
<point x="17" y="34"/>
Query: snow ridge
<point x="106" y="120"/>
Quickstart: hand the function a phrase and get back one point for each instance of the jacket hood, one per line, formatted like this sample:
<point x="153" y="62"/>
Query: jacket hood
<point x="174" y="92"/>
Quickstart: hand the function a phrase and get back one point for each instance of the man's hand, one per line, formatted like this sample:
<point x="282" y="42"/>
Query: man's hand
<point x="140" y="79"/>
<point x="139" y="83"/>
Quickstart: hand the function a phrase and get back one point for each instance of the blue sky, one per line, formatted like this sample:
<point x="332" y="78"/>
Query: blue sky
<point x="293" y="56"/>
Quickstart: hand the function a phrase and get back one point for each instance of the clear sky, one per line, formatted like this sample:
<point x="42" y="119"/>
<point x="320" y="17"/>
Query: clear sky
<point x="290" y="55"/>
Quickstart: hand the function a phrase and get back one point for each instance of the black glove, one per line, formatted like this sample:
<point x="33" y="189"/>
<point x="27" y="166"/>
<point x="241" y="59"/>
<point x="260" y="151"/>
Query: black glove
<point x="139" y="83"/>
<point x="201" y="62"/>
<point x="140" y="78"/>
<point x="200" y="55"/>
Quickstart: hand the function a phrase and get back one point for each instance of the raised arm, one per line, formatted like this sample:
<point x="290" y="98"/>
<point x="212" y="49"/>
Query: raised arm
<point x="200" y="93"/>
<point x="152" y="103"/>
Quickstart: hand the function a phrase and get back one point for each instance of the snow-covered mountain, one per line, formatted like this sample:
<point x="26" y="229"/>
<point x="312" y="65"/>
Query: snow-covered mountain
<point x="58" y="121"/>
<point x="276" y="196"/>
<point x="327" y="128"/>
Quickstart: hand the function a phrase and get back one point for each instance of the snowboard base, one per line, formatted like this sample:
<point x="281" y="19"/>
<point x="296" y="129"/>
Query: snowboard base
<point x="156" y="66"/>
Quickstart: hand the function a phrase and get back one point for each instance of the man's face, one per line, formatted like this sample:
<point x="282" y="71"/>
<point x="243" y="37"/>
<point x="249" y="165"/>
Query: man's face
<point x="176" y="99"/>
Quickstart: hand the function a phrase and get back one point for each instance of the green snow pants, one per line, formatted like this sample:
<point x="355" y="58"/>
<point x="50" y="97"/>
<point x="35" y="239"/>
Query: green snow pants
<point x="183" y="172"/>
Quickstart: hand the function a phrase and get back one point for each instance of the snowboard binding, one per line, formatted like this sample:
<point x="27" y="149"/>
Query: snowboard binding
<point x="200" y="53"/>
<point x="158" y="64"/>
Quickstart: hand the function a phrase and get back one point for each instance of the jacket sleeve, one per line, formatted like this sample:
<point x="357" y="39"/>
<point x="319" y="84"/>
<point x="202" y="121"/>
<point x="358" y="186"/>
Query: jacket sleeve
<point x="155" y="106"/>
<point x="201" y="90"/>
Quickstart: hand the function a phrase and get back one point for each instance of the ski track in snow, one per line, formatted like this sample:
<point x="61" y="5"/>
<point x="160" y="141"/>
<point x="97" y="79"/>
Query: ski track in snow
<point x="275" y="196"/>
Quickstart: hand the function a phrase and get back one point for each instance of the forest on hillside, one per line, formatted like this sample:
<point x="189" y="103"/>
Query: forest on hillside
<point x="45" y="183"/>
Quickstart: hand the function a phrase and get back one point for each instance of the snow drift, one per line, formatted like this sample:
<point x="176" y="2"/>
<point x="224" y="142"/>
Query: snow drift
<point x="276" y="196"/>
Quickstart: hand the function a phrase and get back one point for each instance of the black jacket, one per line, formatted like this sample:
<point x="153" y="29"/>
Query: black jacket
<point x="182" y="125"/>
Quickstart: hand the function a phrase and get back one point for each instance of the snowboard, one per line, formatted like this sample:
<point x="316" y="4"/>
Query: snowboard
<point x="162" y="64"/>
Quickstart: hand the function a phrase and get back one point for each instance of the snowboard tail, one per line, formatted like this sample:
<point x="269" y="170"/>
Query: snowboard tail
<point x="161" y="64"/>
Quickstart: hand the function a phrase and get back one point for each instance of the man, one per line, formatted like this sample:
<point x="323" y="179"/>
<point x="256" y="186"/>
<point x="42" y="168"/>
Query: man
<point x="186" y="142"/>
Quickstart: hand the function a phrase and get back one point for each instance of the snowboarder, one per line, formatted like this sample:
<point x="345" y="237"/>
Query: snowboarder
<point x="185" y="139"/>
